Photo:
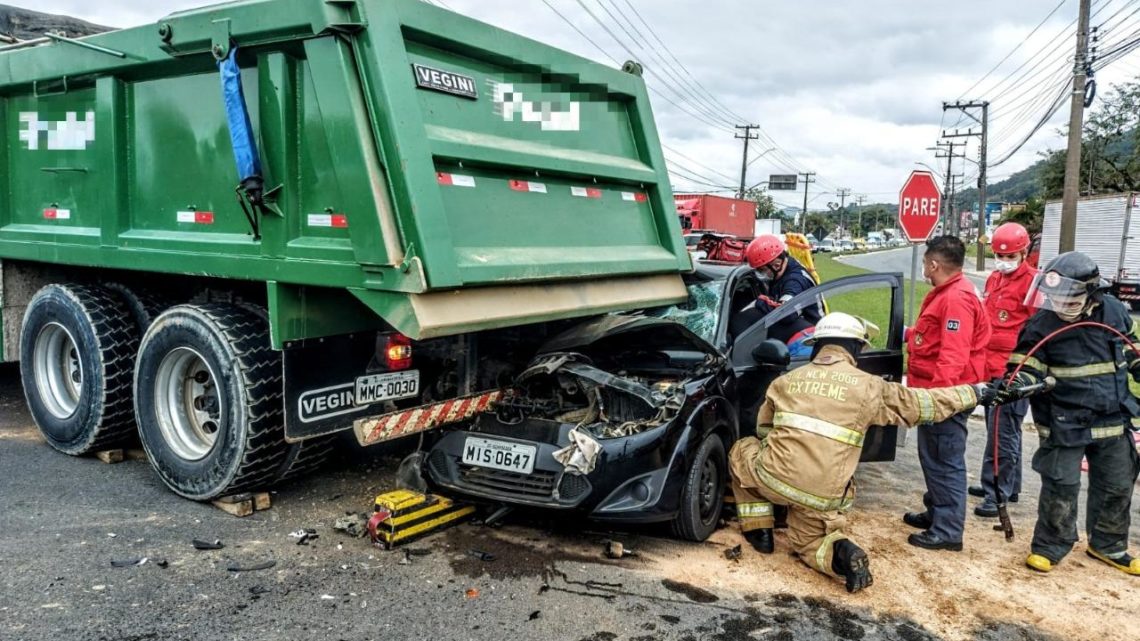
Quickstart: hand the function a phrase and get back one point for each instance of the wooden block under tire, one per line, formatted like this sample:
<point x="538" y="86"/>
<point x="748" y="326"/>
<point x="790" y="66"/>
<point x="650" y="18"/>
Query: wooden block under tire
<point x="110" y="456"/>
<point x="243" y="504"/>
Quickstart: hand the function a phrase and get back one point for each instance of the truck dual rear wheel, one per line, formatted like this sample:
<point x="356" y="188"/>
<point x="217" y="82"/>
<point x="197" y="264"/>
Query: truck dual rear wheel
<point x="77" y="349"/>
<point x="208" y="400"/>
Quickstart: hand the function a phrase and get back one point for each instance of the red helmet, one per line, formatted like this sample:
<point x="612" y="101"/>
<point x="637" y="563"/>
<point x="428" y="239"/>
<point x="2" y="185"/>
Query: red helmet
<point x="763" y="250"/>
<point x="1009" y="238"/>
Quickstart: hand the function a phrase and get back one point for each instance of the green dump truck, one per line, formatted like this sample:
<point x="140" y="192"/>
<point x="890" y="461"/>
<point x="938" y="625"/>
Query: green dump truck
<point x="242" y="229"/>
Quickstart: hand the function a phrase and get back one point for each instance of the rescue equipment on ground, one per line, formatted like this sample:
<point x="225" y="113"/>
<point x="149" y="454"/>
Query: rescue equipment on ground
<point x="401" y="516"/>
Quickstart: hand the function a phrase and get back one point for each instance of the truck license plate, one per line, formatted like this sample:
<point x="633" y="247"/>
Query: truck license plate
<point x="375" y="388"/>
<point x="500" y="455"/>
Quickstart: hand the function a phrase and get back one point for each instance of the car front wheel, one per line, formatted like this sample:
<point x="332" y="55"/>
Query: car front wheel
<point x="702" y="496"/>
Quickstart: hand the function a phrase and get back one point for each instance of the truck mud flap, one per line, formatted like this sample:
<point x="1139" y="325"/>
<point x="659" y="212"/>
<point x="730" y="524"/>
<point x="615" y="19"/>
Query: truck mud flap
<point x="330" y="383"/>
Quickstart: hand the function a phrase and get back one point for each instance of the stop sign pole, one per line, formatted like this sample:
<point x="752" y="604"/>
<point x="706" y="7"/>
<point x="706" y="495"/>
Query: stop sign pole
<point x="920" y="202"/>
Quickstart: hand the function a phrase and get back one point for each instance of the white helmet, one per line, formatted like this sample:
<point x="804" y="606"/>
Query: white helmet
<point x="840" y="325"/>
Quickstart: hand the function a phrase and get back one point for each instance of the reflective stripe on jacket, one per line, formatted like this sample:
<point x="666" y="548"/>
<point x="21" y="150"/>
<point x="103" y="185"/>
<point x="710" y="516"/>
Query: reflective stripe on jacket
<point x="1091" y="399"/>
<point x="814" y="419"/>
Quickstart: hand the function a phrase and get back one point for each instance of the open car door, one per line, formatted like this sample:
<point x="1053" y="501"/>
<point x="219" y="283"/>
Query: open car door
<point x="884" y="359"/>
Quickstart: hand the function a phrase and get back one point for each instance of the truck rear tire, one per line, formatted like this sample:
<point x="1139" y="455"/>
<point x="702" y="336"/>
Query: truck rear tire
<point x="208" y="400"/>
<point x="77" y="350"/>
<point x="143" y="306"/>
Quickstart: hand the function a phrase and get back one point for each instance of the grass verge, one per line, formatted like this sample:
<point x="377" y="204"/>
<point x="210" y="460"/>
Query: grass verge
<point x="874" y="305"/>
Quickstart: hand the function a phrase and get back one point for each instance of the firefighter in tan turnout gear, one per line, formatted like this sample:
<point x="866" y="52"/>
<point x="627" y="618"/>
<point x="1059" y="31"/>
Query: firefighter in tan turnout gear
<point x="810" y="431"/>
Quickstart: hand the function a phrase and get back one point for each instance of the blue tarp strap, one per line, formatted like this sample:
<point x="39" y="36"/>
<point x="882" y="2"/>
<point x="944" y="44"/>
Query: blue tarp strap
<point x="241" y="130"/>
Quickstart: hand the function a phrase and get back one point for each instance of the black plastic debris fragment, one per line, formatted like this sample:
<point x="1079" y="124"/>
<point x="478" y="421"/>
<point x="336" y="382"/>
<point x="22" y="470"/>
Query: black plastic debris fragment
<point x="128" y="563"/>
<point x="534" y="615"/>
<point x="162" y="563"/>
<point x="733" y="553"/>
<point x="481" y="555"/>
<point x="199" y="544"/>
<point x="234" y="566"/>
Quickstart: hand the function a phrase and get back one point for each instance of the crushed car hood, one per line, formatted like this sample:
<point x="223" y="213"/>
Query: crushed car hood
<point x="644" y="332"/>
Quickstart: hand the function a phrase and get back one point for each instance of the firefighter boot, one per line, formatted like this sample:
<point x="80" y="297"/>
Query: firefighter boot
<point x="851" y="562"/>
<point x="761" y="539"/>
<point x="1039" y="563"/>
<point x="1124" y="562"/>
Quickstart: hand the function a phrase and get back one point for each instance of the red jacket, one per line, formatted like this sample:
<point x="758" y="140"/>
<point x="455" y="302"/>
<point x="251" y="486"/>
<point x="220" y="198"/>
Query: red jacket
<point x="947" y="344"/>
<point x="1005" y="305"/>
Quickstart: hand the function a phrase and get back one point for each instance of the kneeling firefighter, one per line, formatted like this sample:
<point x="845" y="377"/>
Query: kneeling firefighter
<point x="810" y="430"/>
<point x="1083" y="338"/>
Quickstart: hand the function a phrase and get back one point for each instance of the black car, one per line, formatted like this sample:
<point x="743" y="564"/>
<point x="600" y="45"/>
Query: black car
<point x="628" y="418"/>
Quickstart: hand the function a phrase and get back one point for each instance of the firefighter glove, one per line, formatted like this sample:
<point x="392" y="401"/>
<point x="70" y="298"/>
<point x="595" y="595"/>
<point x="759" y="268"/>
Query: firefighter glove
<point x="987" y="394"/>
<point x="765" y="304"/>
<point x="1134" y="370"/>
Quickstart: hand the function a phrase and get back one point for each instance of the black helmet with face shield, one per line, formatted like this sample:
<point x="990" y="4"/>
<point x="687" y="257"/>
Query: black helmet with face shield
<point x="1068" y="285"/>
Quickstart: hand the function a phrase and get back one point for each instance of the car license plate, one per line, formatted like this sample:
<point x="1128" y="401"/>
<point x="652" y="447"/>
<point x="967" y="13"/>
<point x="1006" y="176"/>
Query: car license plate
<point x="375" y="388"/>
<point x="500" y="455"/>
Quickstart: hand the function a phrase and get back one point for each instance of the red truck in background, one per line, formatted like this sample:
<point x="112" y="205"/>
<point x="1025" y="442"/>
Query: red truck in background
<point x="706" y="212"/>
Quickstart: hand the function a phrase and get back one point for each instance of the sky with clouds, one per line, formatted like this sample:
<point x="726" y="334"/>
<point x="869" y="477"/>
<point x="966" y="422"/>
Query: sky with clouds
<point x="852" y="90"/>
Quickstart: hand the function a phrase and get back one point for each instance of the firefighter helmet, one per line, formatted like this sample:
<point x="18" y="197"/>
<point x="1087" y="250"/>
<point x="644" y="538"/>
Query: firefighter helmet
<point x="763" y="250"/>
<point x="1067" y="285"/>
<point x="840" y="325"/>
<point x="1009" y="238"/>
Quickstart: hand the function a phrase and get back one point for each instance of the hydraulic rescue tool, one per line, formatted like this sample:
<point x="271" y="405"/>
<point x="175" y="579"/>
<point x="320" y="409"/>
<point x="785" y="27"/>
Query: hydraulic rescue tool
<point x="1013" y="394"/>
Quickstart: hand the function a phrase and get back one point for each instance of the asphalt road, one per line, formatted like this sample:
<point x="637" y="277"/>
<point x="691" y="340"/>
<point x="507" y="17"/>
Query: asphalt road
<point x="899" y="260"/>
<point x="64" y="520"/>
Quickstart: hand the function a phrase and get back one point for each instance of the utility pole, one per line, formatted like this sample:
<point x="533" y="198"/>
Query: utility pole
<point x="861" y="198"/>
<point x="843" y="193"/>
<point x="949" y="222"/>
<point x="808" y="179"/>
<point x="955" y="180"/>
<point x="748" y="135"/>
<point x="1076" y="128"/>
<point x="984" y="121"/>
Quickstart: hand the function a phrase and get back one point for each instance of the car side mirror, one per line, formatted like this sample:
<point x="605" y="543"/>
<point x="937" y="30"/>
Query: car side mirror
<point x="772" y="353"/>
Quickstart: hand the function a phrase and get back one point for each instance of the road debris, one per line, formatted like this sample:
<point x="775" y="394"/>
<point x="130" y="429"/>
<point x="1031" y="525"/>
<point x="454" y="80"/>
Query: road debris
<point x="733" y="553"/>
<point x="615" y="550"/>
<point x="199" y="544"/>
<point x="304" y="535"/>
<point x="128" y="563"/>
<point x="327" y="597"/>
<point x="534" y="615"/>
<point x="472" y="593"/>
<point x="481" y="555"/>
<point x="353" y="524"/>
<point x="234" y="566"/>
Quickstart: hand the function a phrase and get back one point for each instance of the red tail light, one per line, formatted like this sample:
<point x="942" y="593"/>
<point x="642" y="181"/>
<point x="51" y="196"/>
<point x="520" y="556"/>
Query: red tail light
<point x="398" y="352"/>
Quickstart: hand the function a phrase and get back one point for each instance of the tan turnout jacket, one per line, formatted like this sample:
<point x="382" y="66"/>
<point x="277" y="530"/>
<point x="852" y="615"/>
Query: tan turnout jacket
<point x="814" y="419"/>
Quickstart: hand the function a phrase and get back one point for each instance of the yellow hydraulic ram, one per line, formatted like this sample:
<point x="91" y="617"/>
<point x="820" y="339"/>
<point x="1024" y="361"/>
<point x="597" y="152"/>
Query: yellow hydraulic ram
<point x="400" y="516"/>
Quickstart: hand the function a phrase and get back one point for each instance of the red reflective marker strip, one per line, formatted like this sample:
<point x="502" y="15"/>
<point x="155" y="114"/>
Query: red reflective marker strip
<point x="586" y="192"/>
<point x="631" y="196"/>
<point x="57" y="214"/>
<point x="198" y="217"/>
<point x="328" y="220"/>
<point x="526" y="185"/>
<point x="455" y="180"/>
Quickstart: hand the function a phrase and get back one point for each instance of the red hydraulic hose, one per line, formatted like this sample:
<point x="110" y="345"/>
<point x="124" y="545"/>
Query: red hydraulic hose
<point x="997" y="492"/>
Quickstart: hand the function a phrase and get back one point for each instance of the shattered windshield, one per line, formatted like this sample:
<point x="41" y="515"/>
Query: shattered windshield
<point x="700" y="313"/>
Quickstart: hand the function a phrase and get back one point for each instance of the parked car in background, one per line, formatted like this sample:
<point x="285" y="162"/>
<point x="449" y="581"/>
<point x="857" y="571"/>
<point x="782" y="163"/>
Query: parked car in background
<point x="846" y="245"/>
<point x="627" y="418"/>
<point x="827" y="245"/>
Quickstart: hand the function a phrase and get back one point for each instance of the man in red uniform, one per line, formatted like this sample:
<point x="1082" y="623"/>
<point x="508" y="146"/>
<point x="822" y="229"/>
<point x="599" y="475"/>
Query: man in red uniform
<point x="1005" y="305"/>
<point x="947" y="347"/>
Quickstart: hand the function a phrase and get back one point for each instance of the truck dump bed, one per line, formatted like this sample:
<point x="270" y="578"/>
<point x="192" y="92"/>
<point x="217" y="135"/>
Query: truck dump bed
<point x="450" y="175"/>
